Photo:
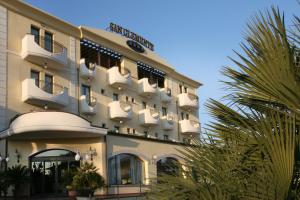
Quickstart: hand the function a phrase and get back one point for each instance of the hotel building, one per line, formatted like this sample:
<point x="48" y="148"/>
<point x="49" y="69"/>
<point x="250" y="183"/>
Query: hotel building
<point x="71" y="93"/>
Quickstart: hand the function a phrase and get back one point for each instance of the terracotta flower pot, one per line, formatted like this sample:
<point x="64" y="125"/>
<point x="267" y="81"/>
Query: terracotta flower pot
<point x="72" y="194"/>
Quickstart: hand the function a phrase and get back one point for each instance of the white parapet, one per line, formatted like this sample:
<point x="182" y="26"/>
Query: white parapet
<point x="38" y="54"/>
<point x="165" y="95"/>
<point x="188" y="101"/>
<point x="146" y="89"/>
<point x="148" y="117"/>
<point x="120" y="111"/>
<point x="117" y="79"/>
<point x="39" y="95"/>
<point x="87" y="72"/>
<point x="167" y="122"/>
<point x="88" y="105"/>
<point x="189" y="127"/>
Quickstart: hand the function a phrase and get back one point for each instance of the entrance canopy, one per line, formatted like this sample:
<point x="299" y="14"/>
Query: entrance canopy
<point x="42" y="125"/>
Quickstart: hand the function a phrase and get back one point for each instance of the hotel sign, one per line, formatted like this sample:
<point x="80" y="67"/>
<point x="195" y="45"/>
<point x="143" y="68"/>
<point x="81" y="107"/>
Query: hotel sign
<point x="127" y="33"/>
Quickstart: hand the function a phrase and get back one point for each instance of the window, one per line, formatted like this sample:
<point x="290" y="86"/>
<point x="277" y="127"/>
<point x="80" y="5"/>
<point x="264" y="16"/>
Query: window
<point x="133" y="131"/>
<point x="49" y="83"/>
<point x="166" y="137"/>
<point x="182" y="116"/>
<point x="185" y="90"/>
<point x="102" y="91"/>
<point x="187" y="140"/>
<point x="86" y="90"/>
<point x="107" y="61"/>
<point x="164" y="111"/>
<point x="128" y="130"/>
<point x="127" y="98"/>
<point x="36" y="32"/>
<point x="156" y="135"/>
<point x="146" y="134"/>
<point x="168" y="166"/>
<point x="48" y="41"/>
<point x="36" y="76"/>
<point x="103" y="125"/>
<point x="115" y="97"/>
<point x="144" y="105"/>
<point x="154" y="106"/>
<point x="132" y="100"/>
<point x="180" y="89"/>
<point x="187" y="116"/>
<point x="125" y="169"/>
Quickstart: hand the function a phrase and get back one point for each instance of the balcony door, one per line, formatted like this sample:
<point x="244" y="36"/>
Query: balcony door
<point x="47" y="170"/>
<point x="48" y="41"/>
<point x="86" y="90"/>
<point x="49" y="83"/>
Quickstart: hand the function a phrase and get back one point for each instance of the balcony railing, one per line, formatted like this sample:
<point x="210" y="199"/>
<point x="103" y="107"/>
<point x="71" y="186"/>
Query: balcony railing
<point x="188" y="101"/>
<point x="119" y="78"/>
<point x="167" y="122"/>
<point x="149" y="117"/>
<point x="165" y="95"/>
<point x="147" y="88"/>
<point x="87" y="70"/>
<point x="189" y="126"/>
<point x="120" y="110"/>
<point x="44" y="94"/>
<point x="88" y="105"/>
<point x="44" y="52"/>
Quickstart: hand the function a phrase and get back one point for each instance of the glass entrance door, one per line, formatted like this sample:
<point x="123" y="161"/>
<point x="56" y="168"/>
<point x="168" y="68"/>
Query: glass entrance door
<point x="47" y="169"/>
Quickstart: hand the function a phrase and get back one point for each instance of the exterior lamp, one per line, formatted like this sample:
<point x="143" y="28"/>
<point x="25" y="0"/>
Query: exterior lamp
<point x="154" y="157"/>
<point x="77" y="156"/>
<point x="7" y="159"/>
<point x="119" y="88"/>
<point x="46" y="107"/>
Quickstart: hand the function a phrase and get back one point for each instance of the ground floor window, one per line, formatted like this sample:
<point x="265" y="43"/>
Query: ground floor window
<point x="47" y="169"/>
<point x="168" y="166"/>
<point x="125" y="169"/>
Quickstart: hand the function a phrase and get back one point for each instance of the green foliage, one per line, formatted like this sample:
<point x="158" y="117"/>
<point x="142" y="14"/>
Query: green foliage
<point x="87" y="179"/>
<point x="17" y="176"/>
<point x="67" y="177"/>
<point x="251" y="149"/>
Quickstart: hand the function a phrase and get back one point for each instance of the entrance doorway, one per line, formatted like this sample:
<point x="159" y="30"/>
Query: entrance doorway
<point x="47" y="169"/>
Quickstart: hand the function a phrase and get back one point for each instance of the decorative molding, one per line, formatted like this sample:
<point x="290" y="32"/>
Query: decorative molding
<point x="3" y="66"/>
<point x="73" y="76"/>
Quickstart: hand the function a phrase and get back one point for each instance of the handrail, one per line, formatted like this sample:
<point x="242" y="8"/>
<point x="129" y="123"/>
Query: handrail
<point x="55" y="48"/>
<point x="124" y="71"/>
<point x="193" y="96"/>
<point x="51" y="88"/>
<point x="168" y="91"/>
<point x="124" y="105"/>
<point x="92" y="101"/>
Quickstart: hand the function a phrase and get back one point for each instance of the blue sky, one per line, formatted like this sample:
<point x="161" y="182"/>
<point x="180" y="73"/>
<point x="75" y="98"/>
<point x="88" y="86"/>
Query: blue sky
<point x="195" y="36"/>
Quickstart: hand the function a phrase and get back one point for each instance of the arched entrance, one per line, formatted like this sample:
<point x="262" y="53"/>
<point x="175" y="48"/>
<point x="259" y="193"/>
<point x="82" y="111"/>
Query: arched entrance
<point x="167" y="166"/>
<point x="47" y="169"/>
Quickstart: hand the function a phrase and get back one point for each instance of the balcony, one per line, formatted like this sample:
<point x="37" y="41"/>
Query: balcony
<point x="146" y="89"/>
<point x="120" y="111"/>
<point x="188" y="101"/>
<point x="54" y="56"/>
<point x="165" y="95"/>
<point x="118" y="79"/>
<point x="87" y="71"/>
<point x="148" y="117"/>
<point x="51" y="96"/>
<point x="189" y="127"/>
<point x="88" y="105"/>
<point x="167" y="122"/>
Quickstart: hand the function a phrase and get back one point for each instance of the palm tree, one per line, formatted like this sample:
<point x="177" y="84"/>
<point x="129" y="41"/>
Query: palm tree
<point x="251" y="149"/>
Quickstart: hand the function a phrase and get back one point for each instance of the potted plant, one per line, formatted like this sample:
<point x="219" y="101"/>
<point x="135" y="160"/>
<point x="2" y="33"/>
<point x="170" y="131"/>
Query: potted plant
<point x="17" y="176"/>
<point x="86" y="181"/>
<point x="67" y="182"/>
